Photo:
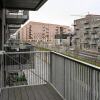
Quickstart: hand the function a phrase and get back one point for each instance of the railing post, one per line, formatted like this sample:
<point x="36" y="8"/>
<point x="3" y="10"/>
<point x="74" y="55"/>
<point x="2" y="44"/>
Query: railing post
<point x="2" y="70"/>
<point x="50" y="69"/>
<point x="93" y="85"/>
<point x="2" y="47"/>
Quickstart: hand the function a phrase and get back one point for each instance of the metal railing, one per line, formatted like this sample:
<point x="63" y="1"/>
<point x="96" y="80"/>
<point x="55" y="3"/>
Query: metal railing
<point x="74" y="79"/>
<point x="24" y="14"/>
<point x="17" y="12"/>
<point x="25" y="68"/>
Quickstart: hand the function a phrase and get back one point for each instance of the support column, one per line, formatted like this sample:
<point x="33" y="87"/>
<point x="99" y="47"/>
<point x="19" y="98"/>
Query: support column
<point x="2" y="48"/>
<point x="3" y="27"/>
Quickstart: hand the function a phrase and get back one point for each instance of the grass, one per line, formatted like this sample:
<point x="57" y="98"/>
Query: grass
<point x="82" y="58"/>
<point x="73" y="55"/>
<point x="42" y="49"/>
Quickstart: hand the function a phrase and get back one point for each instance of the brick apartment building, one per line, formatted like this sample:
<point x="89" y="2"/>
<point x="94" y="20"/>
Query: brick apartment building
<point x="87" y="33"/>
<point x="37" y="32"/>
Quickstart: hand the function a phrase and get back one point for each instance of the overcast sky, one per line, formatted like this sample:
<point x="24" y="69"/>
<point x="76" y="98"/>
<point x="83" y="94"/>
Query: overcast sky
<point x="62" y="11"/>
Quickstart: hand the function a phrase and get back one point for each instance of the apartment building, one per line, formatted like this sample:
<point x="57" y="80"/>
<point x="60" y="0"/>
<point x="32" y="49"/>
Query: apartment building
<point x="87" y="33"/>
<point x="37" y="32"/>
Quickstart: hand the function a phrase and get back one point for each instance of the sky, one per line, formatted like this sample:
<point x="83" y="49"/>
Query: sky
<point x="64" y="12"/>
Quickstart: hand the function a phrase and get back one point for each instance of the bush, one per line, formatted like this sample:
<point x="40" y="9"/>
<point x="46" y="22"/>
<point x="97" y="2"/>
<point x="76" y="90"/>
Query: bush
<point x="21" y="78"/>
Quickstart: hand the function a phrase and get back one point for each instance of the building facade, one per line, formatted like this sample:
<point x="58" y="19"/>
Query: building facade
<point x="36" y="32"/>
<point x="87" y="33"/>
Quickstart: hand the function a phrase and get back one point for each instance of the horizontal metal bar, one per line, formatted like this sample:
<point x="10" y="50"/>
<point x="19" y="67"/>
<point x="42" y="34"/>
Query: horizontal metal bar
<point x="76" y="60"/>
<point x="26" y="52"/>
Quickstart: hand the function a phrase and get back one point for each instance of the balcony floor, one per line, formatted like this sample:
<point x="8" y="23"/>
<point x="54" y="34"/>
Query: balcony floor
<point x="33" y="92"/>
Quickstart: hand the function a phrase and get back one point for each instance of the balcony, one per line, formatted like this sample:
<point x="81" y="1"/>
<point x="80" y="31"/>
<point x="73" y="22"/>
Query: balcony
<point x="74" y="25"/>
<point x="86" y="22"/>
<point x="87" y="26"/>
<point x="12" y="31"/>
<point x="94" y="32"/>
<point x="61" y="36"/>
<point x="50" y="76"/>
<point x="87" y="38"/>
<point x="30" y="72"/>
<point x="95" y="37"/>
<point x="77" y="37"/>
<point x="22" y="4"/>
<point x="93" y="42"/>
<point x="76" y="29"/>
<point x="86" y="33"/>
<point x="14" y="26"/>
<point x="95" y="27"/>
<point x="16" y="16"/>
<point x="86" y="42"/>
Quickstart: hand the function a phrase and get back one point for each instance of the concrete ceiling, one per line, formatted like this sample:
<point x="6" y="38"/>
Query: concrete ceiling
<point x="22" y="4"/>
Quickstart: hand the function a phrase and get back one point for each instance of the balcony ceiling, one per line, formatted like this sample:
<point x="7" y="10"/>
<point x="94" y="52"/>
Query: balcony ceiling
<point x="22" y="4"/>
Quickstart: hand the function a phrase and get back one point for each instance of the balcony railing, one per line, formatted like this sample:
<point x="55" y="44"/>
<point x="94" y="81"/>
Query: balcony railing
<point x="95" y="37"/>
<point x="94" y="32"/>
<point x="26" y="68"/>
<point x="74" y="79"/>
<point x="86" y="33"/>
<point x="14" y="26"/>
<point x="16" y="16"/>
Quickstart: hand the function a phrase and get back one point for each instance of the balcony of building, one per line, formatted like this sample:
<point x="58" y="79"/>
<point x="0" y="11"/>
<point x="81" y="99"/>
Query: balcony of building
<point x="13" y="26"/>
<point x="86" y="33"/>
<point x="93" y="42"/>
<point x="86" y="22"/>
<point x="86" y="42"/>
<point x="95" y="27"/>
<point x="76" y="37"/>
<point x="96" y="24"/>
<point x="76" y="28"/>
<point x="95" y="37"/>
<point x="26" y="75"/>
<point x="94" y="32"/>
<point x="87" y="28"/>
<point x="16" y="16"/>
<point x="48" y="75"/>
<point x="74" y="24"/>
<point x="61" y="36"/>
<point x="12" y="31"/>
